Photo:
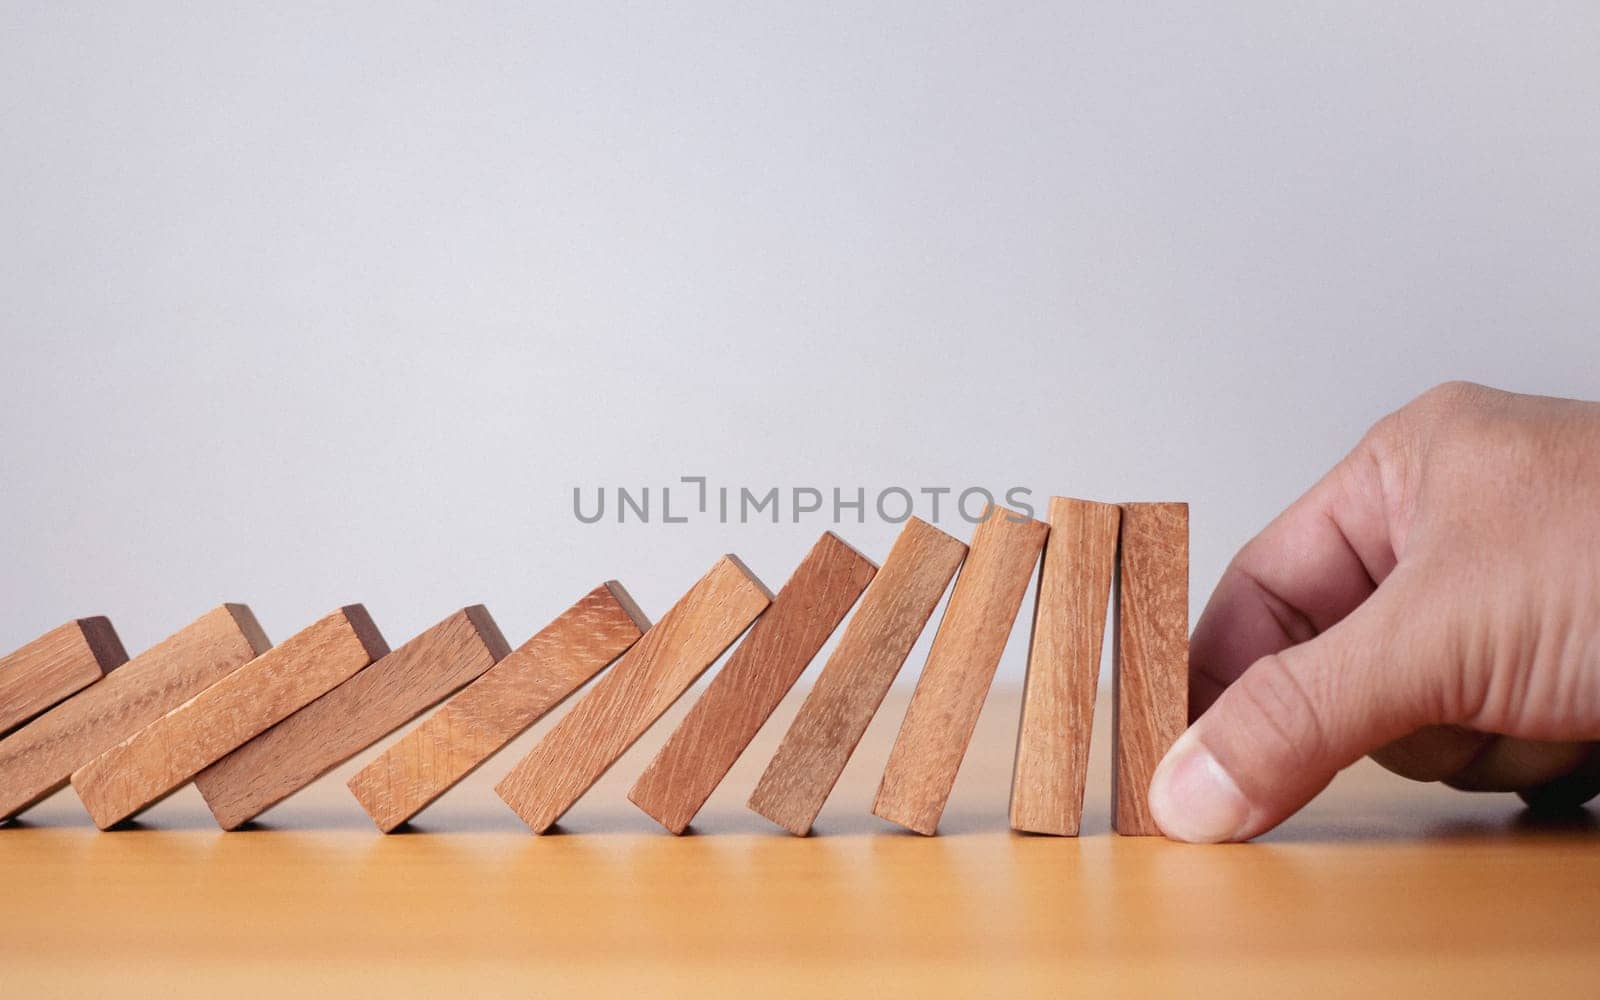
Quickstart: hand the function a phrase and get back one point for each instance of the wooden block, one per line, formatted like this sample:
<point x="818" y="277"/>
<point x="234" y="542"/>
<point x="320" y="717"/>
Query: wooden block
<point x="760" y="672"/>
<point x="622" y="705"/>
<point x="499" y="706"/>
<point x="56" y="666"/>
<point x="162" y="757"/>
<point x="38" y="759"/>
<point x="1150" y="655"/>
<point x="852" y="685"/>
<point x="1069" y="624"/>
<point x="966" y="650"/>
<point x="351" y="717"/>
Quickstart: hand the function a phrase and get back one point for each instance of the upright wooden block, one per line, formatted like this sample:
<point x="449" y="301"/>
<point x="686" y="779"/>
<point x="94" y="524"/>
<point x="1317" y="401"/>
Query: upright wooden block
<point x="852" y="685"/>
<point x="351" y="717"/>
<point x="38" y="759"/>
<point x="56" y="666"/>
<point x="162" y="757"/>
<point x="1069" y="624"/>
<point x="632" y="695"/>
<point x="966" y="650"/>
<point x="1150" y="654"/>
<point x="749" y="686"/>
<point x="499" y="706"/>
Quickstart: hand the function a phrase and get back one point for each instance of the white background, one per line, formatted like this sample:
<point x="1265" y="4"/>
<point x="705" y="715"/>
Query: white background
<point x="303" y="306"/>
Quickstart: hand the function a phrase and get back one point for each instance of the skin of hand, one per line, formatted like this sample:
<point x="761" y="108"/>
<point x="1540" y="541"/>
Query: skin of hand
<point x="1434" y="601"/>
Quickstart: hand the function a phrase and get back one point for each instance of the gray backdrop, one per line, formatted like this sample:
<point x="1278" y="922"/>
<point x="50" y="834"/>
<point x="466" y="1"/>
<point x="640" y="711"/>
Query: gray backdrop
<point x="304" y="306"/>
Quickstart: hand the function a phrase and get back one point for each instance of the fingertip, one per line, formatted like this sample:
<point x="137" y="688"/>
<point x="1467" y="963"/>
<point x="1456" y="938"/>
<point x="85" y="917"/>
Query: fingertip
<point x="1194" y="799"/>
<point x="1570" y="792"/>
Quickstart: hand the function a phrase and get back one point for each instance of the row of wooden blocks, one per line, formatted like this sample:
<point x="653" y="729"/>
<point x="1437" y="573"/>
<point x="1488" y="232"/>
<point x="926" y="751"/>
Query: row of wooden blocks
<point x="251" y="723"/>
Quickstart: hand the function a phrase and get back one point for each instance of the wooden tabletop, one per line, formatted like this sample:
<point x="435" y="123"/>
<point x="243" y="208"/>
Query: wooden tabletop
<point x="1381" y="886"/>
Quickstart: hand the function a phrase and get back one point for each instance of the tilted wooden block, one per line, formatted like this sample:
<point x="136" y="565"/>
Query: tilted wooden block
<point x="351" y="717"/>
<point x="38" y="759"/>
<point x="749" y="686"/>
<point x="966" y="650"/>
<point x="55" y="666"/>
<point x="1150" y="655"/>
<point x="1069" y="624"/>
<point x="632" y="695"/>
<point x="162" y="757"/>
<point x="853" y="683"/>
<point x="499" y="706"/>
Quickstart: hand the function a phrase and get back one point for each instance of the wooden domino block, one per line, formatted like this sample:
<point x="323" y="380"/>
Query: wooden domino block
<point x="966" y="650"/>
<point x="632" y="695"/>
<point x="162" y="757"/>
<point x="1150" y="655"/>
<point x="38" y="759"/>
<point x="853" y="683"/>
<point x="499" y="706"/>
<point x="749" y="686"/>
<point x="56" y="666"/>
<point x="351" y="717"/>
<point x="1069" y="624"/>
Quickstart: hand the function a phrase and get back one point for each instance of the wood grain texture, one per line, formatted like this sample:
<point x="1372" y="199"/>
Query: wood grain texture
<point x="163" y="756"/>
<point x="1069" y="624"/>
<point x="1150" y="675"/>
<point x="966" y="650"/>
<point x="55" y="666"/>
<point x="499" y="706"/>
<point x="351" y="717"/>
<point x="583" y="745"/>
<point x="38" y="759"/>
<point x="852" y="685"/>
<point x="749" y="686"/>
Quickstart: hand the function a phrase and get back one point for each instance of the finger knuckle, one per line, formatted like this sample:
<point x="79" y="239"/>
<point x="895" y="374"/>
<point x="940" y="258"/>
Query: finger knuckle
<point x="1454" y="398"/>
<point x="1446" y="405"/>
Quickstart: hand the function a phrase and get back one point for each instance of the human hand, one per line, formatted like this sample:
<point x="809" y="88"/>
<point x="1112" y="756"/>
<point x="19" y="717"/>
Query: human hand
<point x="1433" y="601"/>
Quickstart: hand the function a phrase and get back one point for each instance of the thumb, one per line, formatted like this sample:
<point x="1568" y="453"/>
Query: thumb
<point x="1277" y="735"/>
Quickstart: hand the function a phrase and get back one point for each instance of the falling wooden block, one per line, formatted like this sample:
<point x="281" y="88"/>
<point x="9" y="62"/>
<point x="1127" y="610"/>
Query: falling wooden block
<point x="56" y="666"/>
<point x="162" y="757"/>
<point x="38" y="759"/>
<point x="632" y="695"/>
<point x="749" y="686"/>
<point x="1150" y="655"/>
<point x="853" y="683"/>
<point x="351" y="717"/>
<point x="1069" y="624"/>
<point x="499" y="706"/>
<point x="966" y="650"/>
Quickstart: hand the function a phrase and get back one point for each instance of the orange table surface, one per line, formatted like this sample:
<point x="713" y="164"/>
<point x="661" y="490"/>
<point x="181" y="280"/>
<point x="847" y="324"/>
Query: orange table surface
<point x="1380" y="886"/>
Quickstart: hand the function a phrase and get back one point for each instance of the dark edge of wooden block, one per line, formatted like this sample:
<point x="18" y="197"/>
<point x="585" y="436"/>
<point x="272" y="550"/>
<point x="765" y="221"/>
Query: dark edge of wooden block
<point x="488" y="631"/>
<point x="631" y="607"/>
<point x="104" y="643"/>
<point x="253" y="634"/>
<point x="366" y="631"/>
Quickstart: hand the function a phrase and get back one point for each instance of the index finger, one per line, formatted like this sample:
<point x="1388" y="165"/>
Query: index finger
<point x="1313" y="565"/>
